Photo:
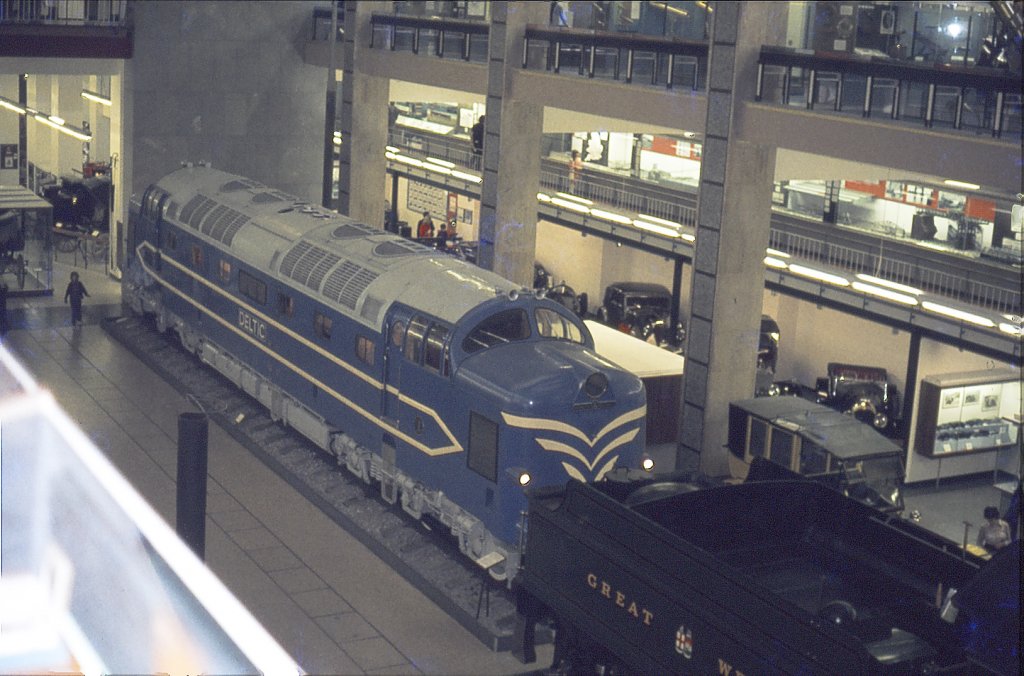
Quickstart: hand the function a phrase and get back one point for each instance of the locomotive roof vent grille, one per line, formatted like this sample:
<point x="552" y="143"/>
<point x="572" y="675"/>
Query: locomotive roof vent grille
<point x="204" y="208"/>
<point x="371" y="308"/>
<point x="190" y="207"/>
<point x="308" y="264"/>
<point x="352" y="230"/>
<point x="238" y="184"/>
<point x="347" y="283"/>
<point x="400" y="248"/>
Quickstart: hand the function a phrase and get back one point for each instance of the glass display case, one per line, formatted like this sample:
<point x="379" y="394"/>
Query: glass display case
<point x="963" y="413"/>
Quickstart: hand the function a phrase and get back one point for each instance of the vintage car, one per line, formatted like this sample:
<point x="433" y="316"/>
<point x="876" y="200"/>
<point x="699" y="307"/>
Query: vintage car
<point x="643" y="310"/>
<point x="861" y="391"/>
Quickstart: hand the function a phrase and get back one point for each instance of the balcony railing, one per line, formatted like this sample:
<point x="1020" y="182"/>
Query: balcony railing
<point x="464" y="39"/>
<point x="618" y="56"/>
<point x="64" y="12"/>
<point x="960" y="97"/>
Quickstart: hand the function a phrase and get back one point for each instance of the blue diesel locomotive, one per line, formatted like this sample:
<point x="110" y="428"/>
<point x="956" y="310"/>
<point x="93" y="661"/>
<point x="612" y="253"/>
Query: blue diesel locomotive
<point x="447" y="384"/>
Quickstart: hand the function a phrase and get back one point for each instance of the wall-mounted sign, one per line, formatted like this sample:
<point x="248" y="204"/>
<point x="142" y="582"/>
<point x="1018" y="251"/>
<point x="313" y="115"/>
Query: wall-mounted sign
<point x="9" y="156"/>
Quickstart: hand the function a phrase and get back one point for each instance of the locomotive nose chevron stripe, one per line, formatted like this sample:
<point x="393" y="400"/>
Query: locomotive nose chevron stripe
<point x="557" y="426"/>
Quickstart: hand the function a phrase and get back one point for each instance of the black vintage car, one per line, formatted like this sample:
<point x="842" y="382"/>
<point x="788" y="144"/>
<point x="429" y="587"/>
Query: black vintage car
<point x="643" y="310"/>
<point x="861" y="391"/>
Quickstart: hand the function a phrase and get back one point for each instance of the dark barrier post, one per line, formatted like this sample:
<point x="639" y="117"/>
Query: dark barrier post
<point x="191" y="525"/>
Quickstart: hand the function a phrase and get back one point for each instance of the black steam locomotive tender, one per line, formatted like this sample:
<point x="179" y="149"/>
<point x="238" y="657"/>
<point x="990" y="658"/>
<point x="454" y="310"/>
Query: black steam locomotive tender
<point x="772" y="577"/>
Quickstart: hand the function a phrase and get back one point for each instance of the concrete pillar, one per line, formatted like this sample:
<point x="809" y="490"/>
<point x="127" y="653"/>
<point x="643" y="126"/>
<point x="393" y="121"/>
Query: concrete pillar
<point x="733" y="211"/>
<point x="224" y="82"/>
<point x="511" y="158"/>
<point x="363" y="122"/>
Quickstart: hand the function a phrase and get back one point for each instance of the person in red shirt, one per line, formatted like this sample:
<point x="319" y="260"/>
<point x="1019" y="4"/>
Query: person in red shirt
<point x="425" y="228"/>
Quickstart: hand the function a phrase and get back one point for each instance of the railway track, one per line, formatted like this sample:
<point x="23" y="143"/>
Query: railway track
<point x="427" y="558"/>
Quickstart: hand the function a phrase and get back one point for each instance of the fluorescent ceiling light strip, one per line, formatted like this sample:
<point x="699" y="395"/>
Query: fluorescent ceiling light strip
<point x="655" y="219"/>
<point x="688" y="237"/>
<point x="443" y="163"/>
<point x="884" y="293"/>
<point x="570" y="205"/>
<point x="818" y="274"/>
<point x="957" y="314"/>
<point x="438" y="168"/>
<point x="581" y="200"/>
<point x="1014" y="318"/>
<point x="1012" y="329"/>
<point x="654" y="227"/>
<point x="392" y="149"/>
<point x="776" y="253"/>
<point x="389" y="155"/>
<point x="543" y="197"/>
<point x="70" y="131"/>
<point x="775" y="263"/>
<point x="878" y="281"/>
<point x="609" y="216"/>
<point x="405" y="159"/>
<point x="98" y="98"/>
<point x="466" y="177"/>
<point x="11" y="105"/>
<point x="961" y="184"/>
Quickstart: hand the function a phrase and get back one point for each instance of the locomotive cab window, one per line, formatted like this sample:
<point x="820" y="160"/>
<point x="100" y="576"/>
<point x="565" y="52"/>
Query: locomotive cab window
<point x="322" y="325"/>
<point x="503" y="327"/>
<point x="225" y="271"/>
<point x="285" y="305"/>
<point x="364" y="349"/>
<point x="782" y="448"/>
<point x="252" y="288"/>
<point x="482" y="456"/>
<point x="397" y="333"/>
<point x="197" y="257"/>
<point x="758" y="438"/>
<point x="551" y="324"/>
<point x="434" y="355"/>
<point x="414" y="339"/>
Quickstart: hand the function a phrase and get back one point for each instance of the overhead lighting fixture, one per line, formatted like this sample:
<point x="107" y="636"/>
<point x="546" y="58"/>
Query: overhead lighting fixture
<point x="961" y="184"/>
<point x="957" y="314"/>
<point x="98" y="98"/>
<point x="59" y="124"/>
<point x="570" y="205"/>
<point x="443" y="163"/>
<point x="820" y="275"/>
<point x="954" y="29"/>
<point x="437" y="168"/>
<point x="888" y="294"/>
<point x="405" y="159"/>
<point x="878" y="281"/>
<point x="776" y="253"/>
<point x="466" y="177"/>
<point x="655" y="219"/>
<point x="543" y="197"/>
<point x="574" y="198"/>
<point x="392" y="149"/>
<point x="775" y="263"/>
<point x="1012" y="329"/>
<point x="654" y="227"/>
<point x="609" y="216"/>
<point x="11" y="105"/>
<point x="389" y="155"/>
<point x="688" y="237"/>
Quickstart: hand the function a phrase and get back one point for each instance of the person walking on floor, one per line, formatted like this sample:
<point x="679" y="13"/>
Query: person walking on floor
<point x="75" y="292"/>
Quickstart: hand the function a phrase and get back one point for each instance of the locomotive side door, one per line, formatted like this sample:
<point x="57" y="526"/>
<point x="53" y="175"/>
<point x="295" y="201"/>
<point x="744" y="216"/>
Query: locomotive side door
<point x="395" y="327"/>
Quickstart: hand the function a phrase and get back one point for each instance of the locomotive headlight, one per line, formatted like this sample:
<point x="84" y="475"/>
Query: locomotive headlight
<point x="647" y="463"/>
<point x="519" y="475"/>
<point x="595" y="385"/>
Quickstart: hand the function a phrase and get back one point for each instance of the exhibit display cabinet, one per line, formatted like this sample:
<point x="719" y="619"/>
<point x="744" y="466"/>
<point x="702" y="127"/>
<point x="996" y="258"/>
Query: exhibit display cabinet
<point x="973" y="417"/>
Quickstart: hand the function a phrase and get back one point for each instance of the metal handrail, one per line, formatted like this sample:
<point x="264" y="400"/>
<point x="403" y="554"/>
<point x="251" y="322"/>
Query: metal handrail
<point x="65" y="13"/>
<point x="918" y="273"/>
